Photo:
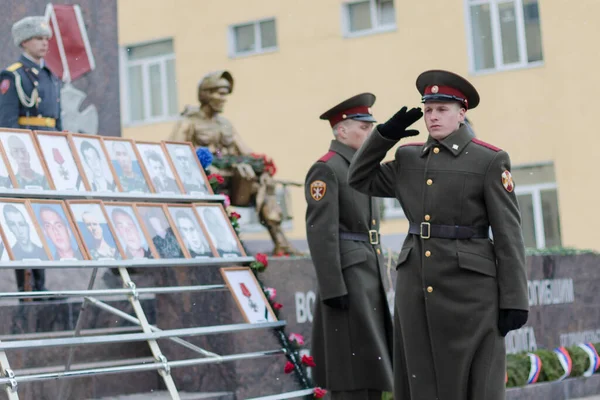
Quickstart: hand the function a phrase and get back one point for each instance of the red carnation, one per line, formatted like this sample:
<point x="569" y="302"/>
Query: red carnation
<point x="262" y="258"/>
<point x="289" y="367"/>
<point x="320" y="393"/>
<point x="220" y="180"/>
<point x="308" y="361"/>
<point x="277" y="306"/>
<point x="235" y="215"/>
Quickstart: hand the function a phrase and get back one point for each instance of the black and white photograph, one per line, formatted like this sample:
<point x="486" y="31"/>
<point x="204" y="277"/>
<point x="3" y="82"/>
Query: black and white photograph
<point x="24" y="160"/>
<point x="22" y="235"/>
<point x="59" y="159"/>
<point x="94" y="162"/>
<point x="158" y="167"/>
<point x="220" y="230"/>
<point x="160" y="231"/>
<point x="191" y="231"/>
<point x="127" y="166"/>
<point x="188" y="167"/>
<point x="129" y="231"/>
<point x="96" y="233"/>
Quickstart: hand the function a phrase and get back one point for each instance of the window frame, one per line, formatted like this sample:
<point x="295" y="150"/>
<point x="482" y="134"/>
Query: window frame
<point x="535" y="190"/>
<point x="390" y="211"/>
<point x="145" y="64"/>
<point x="497" y="37"/>
<point x="258" y="49"/>
<point x="375" y="27"/>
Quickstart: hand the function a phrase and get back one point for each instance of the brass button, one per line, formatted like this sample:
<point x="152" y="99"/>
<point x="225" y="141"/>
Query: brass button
<point x="429" y="182"/>
<point x="374" y="222"/>
<point x="429" y="289"/>
<point x="427" y="217"/>
<point x="436" y="150"/>
<point x="378" y="251"/>
<point x="427" y="253"/>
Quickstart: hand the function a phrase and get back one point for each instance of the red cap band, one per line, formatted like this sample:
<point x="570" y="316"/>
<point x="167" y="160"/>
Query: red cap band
<point x="351" y="111"/>
<point x="445" y="90"/>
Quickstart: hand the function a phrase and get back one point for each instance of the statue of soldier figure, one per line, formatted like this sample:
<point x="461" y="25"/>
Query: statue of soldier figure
<point x="204" y="126"/>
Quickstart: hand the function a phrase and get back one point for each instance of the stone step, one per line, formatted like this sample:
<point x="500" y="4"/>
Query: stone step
<point x="164" y="395"/>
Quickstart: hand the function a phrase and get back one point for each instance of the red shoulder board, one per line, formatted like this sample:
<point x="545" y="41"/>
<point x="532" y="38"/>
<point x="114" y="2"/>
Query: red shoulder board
<point x="413" y="144"/>
<point x="484" y="144"/>
<point x="327" y="156"/>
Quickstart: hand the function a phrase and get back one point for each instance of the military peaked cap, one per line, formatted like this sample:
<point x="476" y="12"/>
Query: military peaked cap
<point x="439" y="85"/>
<point x="357" y="107"/>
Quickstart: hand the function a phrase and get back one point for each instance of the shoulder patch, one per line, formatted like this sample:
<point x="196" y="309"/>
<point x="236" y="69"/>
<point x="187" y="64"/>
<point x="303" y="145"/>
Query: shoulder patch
<point x="484" y="144"/>
<point x="14" y="67"/>
<point x="318" y="189"/>
<point x="327" y="156"/>
<point x="413" y="144"/>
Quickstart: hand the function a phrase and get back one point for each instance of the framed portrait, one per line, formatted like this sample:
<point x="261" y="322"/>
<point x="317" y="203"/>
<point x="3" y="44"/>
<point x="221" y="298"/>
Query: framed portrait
<point x="7" y="180"/>
<point x="189" y="170"/>
<point x="97" y="234"/>
<point x="159" y="168"/>
<point x="98" y="174"/>
<point x="219" y="230"/>
<point x="248" y="295"/>
<point x="193" y="235"/>
<point x="25" y="160"/>
<point x="23" y="238"/>
<point x="61" y="164"/>
<point x="126" y="163"/>
<point x="58" y="229"/>
<point x="130" y="232"/>
<point x="161" y="231"/>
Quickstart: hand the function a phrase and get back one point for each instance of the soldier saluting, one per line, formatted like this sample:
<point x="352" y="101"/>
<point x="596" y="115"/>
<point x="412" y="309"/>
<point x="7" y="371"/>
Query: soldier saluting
<point x="29" y="91"/>
<point x="458" y="293"/>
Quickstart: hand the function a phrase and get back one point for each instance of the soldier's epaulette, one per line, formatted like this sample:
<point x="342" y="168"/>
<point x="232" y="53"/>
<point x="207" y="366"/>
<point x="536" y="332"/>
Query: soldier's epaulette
<point x="413" y="144"/>
<point x="484" y="144"/>
<point x="14" y="67"/>
<point x="327" y="156"/>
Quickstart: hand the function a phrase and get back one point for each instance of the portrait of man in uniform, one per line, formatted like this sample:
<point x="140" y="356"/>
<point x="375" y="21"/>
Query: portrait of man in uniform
<point x="24" y="160"/>
<point x="126" y="165"/>
<point x="57" y="230"/>
<point x="60" y="161"/>
<point x="220" y="231"/>
<point x="129" y="232"/>
<point x="188" y="168"/>
<point x="96" y="233"/>
<point x="191" y="232"/>
<point x="95" y="164"/>
<point x="161" y="232"/>
<point x="161" y="174"/>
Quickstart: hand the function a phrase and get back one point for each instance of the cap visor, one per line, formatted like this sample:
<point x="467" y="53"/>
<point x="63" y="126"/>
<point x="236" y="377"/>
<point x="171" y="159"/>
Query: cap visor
<point x="362" y="117"/>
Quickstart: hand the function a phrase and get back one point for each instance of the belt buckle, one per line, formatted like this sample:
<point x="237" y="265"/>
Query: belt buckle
<point x="428" y="235"/>
<point x="373" y="237"/>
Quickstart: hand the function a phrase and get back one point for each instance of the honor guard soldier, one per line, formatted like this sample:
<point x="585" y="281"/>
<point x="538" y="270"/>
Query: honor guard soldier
<point x="29" y="91"/>
<point x="458" y="292"/>
<point x="352" y="329"/>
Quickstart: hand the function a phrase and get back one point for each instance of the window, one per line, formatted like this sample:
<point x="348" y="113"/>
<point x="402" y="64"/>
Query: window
<point x="149" y="82"/>
<point x="253" y="38"/>
<point x="504" y="34"/>
<point x="536" y="191"/>
<point x="249" y="221"/>
<point x="392" y="209"/>
<point x="370" y="16"/>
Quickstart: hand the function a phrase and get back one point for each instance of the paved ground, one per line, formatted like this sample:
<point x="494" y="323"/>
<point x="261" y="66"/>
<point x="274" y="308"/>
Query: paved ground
<point x="163" y="395"/>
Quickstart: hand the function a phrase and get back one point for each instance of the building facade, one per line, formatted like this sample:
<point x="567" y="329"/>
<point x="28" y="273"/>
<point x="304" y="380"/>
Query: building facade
<point x="532" y="62"/>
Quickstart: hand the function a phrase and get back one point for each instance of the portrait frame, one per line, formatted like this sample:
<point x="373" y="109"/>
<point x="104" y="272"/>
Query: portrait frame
<point x="136" y="158"/>
<point x="169" y="206"/>
<point x="188" y="146"/>
<point x="227" y="222"/>
<point x="37" y="154"/>
<point x="110" y="228"/>
<point x="234" y="277"/>
<point x="70" y="222"/>
<point x="6" y="166"/>
<point x="169" y="167"/>
<point x="140" y="225"/>
<point x="30" y="216"/>
<point x="140" y="207"/>
<point x="104" y="161"/>
<point x="73" y="158"/>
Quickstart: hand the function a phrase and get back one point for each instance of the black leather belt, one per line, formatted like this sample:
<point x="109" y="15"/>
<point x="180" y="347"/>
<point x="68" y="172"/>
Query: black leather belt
<point x="369" y="237"/>
<point x="426" y="230"/>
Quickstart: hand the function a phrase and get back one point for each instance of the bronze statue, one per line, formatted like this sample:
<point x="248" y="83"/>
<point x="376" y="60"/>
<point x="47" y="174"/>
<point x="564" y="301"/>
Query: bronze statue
<point x="204" y="126"/>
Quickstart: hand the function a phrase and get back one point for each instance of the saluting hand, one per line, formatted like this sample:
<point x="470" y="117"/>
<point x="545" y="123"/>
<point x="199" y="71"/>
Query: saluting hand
<point x="395" y="127"/>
